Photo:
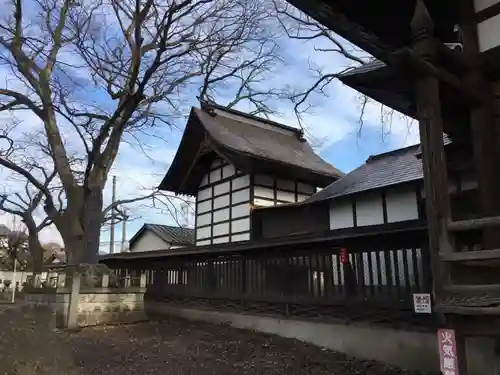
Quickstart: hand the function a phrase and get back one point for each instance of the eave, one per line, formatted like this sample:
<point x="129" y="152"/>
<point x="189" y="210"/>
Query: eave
<point x="378" y="27"/>
<point x="394" y="88"/>
<point x="342" y="236"/>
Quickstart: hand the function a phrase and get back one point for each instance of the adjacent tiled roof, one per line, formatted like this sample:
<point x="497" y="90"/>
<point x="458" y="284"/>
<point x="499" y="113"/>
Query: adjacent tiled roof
<point x="170" y="234"/>
<point x="381" y="170"/>
<point x="250" y="143"/>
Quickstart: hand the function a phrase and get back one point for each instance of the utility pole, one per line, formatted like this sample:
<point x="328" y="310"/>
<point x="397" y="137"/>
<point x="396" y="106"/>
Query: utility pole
<point x="16" y="245"/>
<point x="124" y="230"/>
<point x="112" y="231"/>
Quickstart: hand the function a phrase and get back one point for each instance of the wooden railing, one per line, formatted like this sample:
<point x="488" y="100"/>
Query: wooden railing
<point x="375" y="278"/>
<point x="388" y="276"/>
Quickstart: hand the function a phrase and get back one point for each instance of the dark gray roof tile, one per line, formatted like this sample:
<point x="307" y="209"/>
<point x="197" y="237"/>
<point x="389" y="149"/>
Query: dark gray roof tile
<point x="252" y="144"/>
<point x="171" y="234"/>
<point x="381" y="170"/>
<point x="264" y="140"/>
<point x="175" y="235"/>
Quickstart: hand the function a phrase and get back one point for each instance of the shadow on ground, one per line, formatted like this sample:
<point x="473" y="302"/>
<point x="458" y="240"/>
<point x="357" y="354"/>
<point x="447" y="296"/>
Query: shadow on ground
<point x="31" y="345"/>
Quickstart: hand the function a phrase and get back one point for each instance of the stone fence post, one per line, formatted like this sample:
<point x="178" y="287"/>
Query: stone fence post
<point x="105" y="281"/>
<point x="74" y="297"/>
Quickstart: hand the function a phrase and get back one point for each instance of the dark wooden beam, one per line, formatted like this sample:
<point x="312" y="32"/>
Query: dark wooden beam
<point x="433" y="156"/>
<point x="408" y="60"/>
<point x="467" y="256"/>
<point x="474" y="224"/>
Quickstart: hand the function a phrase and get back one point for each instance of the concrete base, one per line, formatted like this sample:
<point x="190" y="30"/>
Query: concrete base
<point x="405" y="349"/>
<point x="95" y="307"/>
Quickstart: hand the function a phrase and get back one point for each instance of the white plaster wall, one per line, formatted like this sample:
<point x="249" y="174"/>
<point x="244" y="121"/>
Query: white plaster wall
<point x="240" y="237"/>
<point x="285" y="191"/>
<point x="219" y="199"/>
<point x="401" y="204"/>
<point x="149" y="241"/>
<point x="341" y="214"/>
<point x="202" y="233"/>
<point x="488" y="33"/>
<point x="369" y="209"/>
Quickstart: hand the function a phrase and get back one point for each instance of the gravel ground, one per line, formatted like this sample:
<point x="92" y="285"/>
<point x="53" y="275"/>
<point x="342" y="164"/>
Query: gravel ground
<point x="30" y="345"/>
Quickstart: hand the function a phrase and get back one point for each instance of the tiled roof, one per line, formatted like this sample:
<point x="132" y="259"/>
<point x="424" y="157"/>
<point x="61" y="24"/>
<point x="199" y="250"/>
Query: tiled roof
<point x="170" y="234"/>
<point x="244" y="133"/>
<point x="252" y="144"/>
<point x="381" y="170"/>
<point x="175" y="235"/>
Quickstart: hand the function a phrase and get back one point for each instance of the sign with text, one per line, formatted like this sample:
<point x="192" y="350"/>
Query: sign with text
<point x="422" y="303"/>
<point x="344" y="256"/>
<point x="448" y="352"/>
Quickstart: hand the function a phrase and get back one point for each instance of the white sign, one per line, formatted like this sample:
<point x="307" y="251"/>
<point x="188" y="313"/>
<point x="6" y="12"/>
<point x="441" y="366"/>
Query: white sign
<point x="422" y="303"/>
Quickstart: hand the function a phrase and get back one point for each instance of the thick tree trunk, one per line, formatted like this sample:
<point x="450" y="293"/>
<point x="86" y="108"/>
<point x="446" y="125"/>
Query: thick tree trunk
<point x="92" y="221"/>
<point x="36" y="251"/>
<point x="80" y="225"/>
<point x="70" y="228"/>
<point x="35" y="248"/>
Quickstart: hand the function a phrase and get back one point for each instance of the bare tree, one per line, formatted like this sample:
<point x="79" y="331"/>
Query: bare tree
<point x="299" y="26"/>
<point x="25" y="208"/>
<point x="98" y="71"/>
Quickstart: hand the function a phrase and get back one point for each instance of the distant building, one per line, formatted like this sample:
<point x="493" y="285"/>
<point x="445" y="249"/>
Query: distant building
<point x="161" y="237"/>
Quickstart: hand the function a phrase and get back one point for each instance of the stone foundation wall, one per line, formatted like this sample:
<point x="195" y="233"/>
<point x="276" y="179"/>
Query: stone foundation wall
<point x="73" y="306"/>
<point x="96" y="308"/>
<point x="57" y="301"/>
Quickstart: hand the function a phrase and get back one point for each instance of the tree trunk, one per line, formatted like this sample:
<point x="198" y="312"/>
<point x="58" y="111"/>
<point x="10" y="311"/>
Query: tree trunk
<point x="92" y="220"/>
<point x="73" y="242"/>
<point x="36" y="251"/>
<point x="80" y="225"/>
<point x="35" y="248"/>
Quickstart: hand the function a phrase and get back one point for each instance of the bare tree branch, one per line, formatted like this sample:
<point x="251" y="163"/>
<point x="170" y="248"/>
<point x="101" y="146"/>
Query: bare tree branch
<point x="94" y="73"/>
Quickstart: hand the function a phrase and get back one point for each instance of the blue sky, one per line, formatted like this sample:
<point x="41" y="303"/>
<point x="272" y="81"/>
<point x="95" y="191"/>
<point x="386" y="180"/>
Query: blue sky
<point x="332" y="126"/>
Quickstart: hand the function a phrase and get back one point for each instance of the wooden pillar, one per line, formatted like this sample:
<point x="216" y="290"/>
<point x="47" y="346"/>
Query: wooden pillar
<point x="434" y="161"/>
<point x="243" y="275"/>
<point x="211" y="276"/>
<point x="433" y="155"/>
<point x="482" y="126"/>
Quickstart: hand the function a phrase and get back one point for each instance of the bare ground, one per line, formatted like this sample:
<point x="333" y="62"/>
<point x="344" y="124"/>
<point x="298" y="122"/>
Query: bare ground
<point x="30" y="345"/>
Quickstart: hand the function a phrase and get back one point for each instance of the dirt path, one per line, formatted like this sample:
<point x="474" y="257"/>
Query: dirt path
<point x="30" y="345"/>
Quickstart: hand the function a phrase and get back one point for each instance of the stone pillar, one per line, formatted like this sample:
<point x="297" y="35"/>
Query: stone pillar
<point x="105" y="281"/>
<point x="74" y="298"/>
<point x="143" y="280"/>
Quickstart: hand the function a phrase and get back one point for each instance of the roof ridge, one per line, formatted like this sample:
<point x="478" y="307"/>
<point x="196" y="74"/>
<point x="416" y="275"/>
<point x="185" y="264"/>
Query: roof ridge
<point x="164" y="225"/>
<point x="392" y="152"/>
<point x="209" y="106"/>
